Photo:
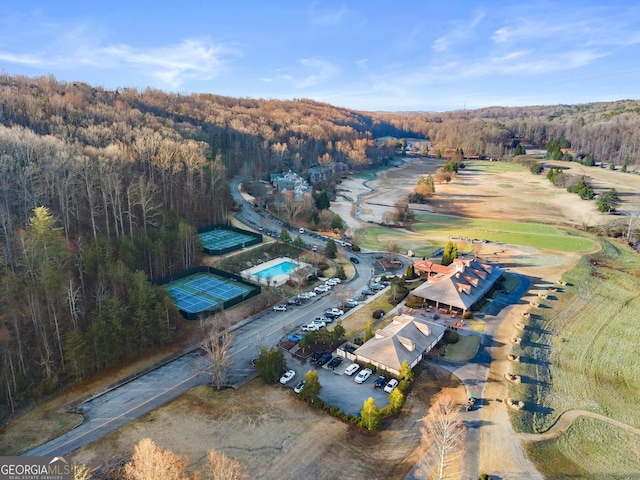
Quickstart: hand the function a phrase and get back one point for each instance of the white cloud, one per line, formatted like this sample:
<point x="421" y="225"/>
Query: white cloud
<point x="330" y="17"/>
<point x="192" y="58"/>
<point x="313" y="72"/>
<point x="171" y="65"/>
<point x="459" y="32"/>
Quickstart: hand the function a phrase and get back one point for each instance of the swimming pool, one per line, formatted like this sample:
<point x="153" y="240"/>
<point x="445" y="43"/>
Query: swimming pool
<point x="283" y="268"/>
<point x="274" y="272"/>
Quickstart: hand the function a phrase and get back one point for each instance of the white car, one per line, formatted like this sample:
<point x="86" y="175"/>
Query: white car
<point x="312" y="293"/>
<point x="332" y="282"/>
<point x="298" y="387"/>
<point x="363" y="375"/>
<point x="335" y="311"/>
<point x="319" y="323"/>
<point x="287" y="377"/>
<point x="335" y="280"/>
<point x="324" y="319"/>
<point x="280" y="308"/>
<point x="304" y="296"/>
<point x="351" y="303"/>
<point x="393" y="383"/>
<point x="351" y="369"/>
<point x="311" y="327"/>
<point x="321" y="289"/>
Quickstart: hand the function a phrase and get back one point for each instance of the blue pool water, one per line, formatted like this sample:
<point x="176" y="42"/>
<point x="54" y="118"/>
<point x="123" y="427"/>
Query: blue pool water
<point x="283" y="268"/>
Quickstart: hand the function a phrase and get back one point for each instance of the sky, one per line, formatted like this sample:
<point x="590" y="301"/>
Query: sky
<point x="362" y="54"/>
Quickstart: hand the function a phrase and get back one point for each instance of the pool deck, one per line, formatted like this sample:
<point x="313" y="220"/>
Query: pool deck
<point x="276" y="280"/>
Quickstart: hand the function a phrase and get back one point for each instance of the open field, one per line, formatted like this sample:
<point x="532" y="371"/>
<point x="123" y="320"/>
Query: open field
<point x="277" y="436"/>
<point x="580" y="352"/>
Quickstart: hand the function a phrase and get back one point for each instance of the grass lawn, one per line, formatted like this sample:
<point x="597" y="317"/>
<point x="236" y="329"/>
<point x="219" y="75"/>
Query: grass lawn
<point x="464" y="349"/>
<point x="525" y="234"/>
<point x="492" y="167"/>
<point x="582" y="353"/>
<point x="378" y="238"/>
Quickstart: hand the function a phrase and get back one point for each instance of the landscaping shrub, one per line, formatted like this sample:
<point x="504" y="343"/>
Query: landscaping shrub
<point x="468" y="315"/>
<point x="450" y="336"/>
<point x="378" y="314"/>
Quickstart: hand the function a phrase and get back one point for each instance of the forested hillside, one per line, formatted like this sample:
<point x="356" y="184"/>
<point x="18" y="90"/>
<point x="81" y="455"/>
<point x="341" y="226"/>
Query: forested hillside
<point x="608" y="132"/>
<point x="102" y="191"/>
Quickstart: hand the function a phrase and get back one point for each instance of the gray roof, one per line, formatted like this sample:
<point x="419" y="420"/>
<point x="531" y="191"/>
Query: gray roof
<point x="463" y="287"/>
<point x="405" y="338"/>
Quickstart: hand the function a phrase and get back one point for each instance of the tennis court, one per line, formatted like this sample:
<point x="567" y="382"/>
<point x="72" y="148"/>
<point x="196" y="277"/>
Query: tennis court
<point x="203" y="292"/>
<point x="221" y="240"/>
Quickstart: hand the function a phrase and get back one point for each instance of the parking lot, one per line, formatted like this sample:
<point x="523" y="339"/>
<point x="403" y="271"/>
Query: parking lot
<point x="339" y="389"/>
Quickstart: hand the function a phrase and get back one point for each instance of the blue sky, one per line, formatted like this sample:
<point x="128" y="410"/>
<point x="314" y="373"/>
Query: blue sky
<point x="362" y="54"/>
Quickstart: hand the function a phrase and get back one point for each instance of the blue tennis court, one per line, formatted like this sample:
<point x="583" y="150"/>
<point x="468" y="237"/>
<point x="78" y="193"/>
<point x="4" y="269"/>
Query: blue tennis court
<point x="222" y="239"/>
<point x="203" y="292"/>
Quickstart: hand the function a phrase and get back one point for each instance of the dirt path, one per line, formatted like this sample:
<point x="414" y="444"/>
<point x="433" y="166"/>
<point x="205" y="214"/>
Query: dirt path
<point x="565" y="420"/>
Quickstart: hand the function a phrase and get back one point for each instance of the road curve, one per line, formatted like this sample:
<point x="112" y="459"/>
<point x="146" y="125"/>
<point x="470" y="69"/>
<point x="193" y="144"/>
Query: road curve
<point x="565" y="420"/>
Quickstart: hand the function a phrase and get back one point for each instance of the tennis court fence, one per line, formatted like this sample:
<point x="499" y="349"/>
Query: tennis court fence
<point x="254" y="239"/>
<point x="252" y="289"/>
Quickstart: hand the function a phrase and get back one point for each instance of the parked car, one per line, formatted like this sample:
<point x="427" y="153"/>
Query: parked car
<point x="363" y="375"/>
<point x="351" y="303"/>
<point x="294" y="301"/>
<point x="304" y="296"/>
<point x="334" y="363"/>
<point x="322" y="289"/>
<point x="334" y="311"/>
<point x="316" y="355"/>
<point x="280" y="308"/>
<point x="354" y="260"/>
<point x="324" y="319"/>
<point x="366" y="291"/>
<point x="287" y="377"/>
<point x="311" y="293"/>
<point x="310" y="327"/>
<point x="298" y="387"/>
<point x="301" y="231"/>
<point x="377" y="287"/>
<point x="294" y="337"/>
<point x="351" y="369"/>
<point x="314" y="248"/>
<point x="393" y="383"/>
<point x="327" y="357"/>
<point x="380" y="381"/>
<point x="318" y="323"/>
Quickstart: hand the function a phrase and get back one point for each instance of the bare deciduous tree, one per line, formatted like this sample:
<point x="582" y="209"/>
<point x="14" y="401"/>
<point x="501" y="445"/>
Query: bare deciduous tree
<point x="152" y="462"/>
<point x="222" y="467"/>
<point x="217" y="346"/>
<point x="81" y="472"/>
<point x="444" y="434"/>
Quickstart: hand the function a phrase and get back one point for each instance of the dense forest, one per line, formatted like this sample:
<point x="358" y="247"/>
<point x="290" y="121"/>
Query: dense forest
<point x="102" y="191"/>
